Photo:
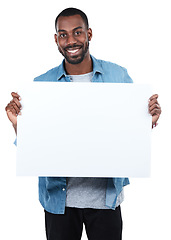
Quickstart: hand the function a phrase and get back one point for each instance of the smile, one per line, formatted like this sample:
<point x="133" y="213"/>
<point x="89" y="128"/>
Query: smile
<point x="73" y="51"/>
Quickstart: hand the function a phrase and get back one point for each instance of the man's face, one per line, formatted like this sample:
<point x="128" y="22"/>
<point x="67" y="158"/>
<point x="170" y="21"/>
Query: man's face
<point x="73" y="38"/>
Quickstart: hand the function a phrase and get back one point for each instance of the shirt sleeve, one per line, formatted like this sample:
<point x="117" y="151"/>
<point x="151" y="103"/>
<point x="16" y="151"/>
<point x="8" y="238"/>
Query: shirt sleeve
<point x="15" y="142"/>
<point x="127" y="78"/>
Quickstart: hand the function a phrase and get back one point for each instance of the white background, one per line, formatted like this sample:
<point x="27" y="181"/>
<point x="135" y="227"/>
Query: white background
<point x="134" y="34"/>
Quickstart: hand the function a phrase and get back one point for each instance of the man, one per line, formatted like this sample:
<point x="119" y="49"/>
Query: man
<point x="70" y="202"/>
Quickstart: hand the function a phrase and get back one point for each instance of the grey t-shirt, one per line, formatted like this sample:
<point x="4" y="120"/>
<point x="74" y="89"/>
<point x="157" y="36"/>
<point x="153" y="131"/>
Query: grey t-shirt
<point x="87" y="192"/>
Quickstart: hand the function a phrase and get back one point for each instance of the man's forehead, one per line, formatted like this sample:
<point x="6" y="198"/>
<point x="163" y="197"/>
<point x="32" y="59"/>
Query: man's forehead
<point x="70" y="22"/>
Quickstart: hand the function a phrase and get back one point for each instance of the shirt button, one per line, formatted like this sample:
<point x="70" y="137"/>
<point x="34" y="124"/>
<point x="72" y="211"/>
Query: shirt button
<point x="63" y="189"/>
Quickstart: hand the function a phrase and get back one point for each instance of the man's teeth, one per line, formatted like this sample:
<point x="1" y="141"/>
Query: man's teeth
<point x="73" y="51"/>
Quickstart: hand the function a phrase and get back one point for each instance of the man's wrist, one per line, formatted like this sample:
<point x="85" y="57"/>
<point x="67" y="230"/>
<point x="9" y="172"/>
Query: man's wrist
<point x="15" y="127"/>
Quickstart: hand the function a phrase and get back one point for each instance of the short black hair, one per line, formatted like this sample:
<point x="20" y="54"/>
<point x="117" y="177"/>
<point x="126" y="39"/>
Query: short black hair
<point x="71" y="12"/>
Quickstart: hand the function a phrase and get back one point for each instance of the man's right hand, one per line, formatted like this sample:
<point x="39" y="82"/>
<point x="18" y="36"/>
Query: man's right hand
<point x="13" y="109"/>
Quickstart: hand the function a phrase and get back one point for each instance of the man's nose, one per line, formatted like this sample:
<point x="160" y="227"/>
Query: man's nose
<point x="71" y="39"/>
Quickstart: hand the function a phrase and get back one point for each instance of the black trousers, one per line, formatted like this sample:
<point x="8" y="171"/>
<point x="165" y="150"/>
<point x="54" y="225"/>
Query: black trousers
<point x="100" y="224"/>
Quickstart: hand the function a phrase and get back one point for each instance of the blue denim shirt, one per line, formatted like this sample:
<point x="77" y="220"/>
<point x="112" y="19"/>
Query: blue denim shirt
<point x="52" y="190"/>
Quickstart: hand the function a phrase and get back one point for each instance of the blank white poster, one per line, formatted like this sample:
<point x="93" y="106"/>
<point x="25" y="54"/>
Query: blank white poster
<point x="84" y="129"/>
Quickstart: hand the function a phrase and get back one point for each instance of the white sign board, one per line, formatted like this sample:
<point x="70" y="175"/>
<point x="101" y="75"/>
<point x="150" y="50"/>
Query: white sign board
<point x="84" y="130"/>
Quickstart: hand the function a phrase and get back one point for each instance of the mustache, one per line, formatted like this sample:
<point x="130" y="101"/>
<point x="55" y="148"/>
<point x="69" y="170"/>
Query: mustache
<point x="73" y="46"/>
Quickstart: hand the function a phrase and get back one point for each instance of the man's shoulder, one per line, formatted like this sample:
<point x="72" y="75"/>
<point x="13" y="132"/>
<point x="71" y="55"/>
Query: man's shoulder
<point x="110" y="66"/>
<point x="113" y="71"/>
<point x="50" y="75"/>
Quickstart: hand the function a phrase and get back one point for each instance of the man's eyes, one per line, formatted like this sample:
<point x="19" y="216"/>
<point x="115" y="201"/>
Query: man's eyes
<point x="76" y="33"/>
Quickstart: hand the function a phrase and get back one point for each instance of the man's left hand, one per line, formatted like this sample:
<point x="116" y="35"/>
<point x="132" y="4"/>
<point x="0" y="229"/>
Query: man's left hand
<point x="154" y="108"/>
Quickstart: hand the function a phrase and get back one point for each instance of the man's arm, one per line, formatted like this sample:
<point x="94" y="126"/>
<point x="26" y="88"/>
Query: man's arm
<point x="13" y="109"/>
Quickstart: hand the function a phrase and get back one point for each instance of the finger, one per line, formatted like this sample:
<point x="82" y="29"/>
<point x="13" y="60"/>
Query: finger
<point x="15" y="95"/>
<point x="17" y="109"/>
<point x="157" y="106"/>
<point x="17" y="102"/>
<point x="155" y="112"/>
<point x="153" y="101"/>
<point x="13" y="108"/>
<point x="153" y="96"/>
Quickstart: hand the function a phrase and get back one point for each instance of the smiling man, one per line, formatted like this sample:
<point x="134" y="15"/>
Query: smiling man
<point x="71" y="202"/>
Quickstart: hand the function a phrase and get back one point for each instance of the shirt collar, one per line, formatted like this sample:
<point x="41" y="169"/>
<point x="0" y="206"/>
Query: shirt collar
<point x="97" y="68"/>
<point x="61" y="71"/>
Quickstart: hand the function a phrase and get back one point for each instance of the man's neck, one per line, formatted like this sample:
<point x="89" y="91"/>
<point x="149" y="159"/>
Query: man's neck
<point x="84" y="67"/>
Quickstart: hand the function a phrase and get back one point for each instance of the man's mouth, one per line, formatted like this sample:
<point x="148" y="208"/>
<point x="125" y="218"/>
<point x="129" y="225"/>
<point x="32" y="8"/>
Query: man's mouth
<point x="73" y="50"/>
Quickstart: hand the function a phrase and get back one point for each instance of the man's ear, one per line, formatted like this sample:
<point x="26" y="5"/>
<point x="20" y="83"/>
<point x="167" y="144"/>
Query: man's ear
<point x="90" y="34"/>
<point x="56" y="40"/>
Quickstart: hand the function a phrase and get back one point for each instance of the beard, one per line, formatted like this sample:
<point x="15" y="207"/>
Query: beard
<point x="75" y="59"/>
